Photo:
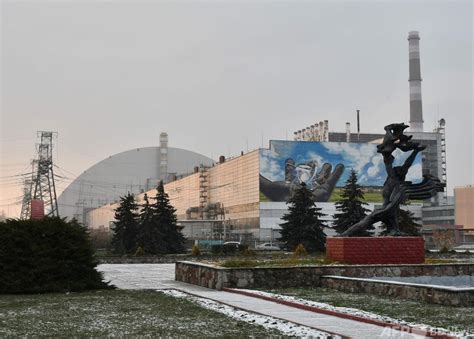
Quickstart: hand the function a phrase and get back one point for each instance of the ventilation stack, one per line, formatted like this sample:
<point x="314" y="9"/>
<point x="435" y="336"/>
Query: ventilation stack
<point x="164" y="156"/>
<point x="416" y="108"/>
<point x="326" y="131"/>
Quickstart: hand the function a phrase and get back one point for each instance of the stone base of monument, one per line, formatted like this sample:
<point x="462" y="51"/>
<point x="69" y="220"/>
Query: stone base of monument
<point x="376" y="250"/>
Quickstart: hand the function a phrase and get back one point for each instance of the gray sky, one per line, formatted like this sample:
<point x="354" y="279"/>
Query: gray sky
<point x="110" y="76"/>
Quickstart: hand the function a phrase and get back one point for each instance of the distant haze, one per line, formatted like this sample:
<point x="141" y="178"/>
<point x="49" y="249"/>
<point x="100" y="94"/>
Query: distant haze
<point x="221" y="77"/>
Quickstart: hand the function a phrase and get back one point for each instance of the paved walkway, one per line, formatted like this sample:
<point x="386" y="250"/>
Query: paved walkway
<point x="161" y="276"/>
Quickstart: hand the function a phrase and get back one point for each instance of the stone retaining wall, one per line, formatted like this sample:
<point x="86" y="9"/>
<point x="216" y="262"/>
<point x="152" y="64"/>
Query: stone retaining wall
<point x="429" y="294"/>
<point x="304" y="276"/>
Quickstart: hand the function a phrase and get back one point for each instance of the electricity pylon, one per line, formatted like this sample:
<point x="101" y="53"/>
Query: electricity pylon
<point x="43" y="186"/>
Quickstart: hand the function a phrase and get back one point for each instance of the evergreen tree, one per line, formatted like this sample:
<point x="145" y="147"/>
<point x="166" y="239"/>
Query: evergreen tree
<point x="47" y="255"/>
<point x="302" y="223"/>
<point x="407" y="223"/>
<point x="124" y="239"/>
<point x="351" y="208"/>
<point x="159" y="233"/>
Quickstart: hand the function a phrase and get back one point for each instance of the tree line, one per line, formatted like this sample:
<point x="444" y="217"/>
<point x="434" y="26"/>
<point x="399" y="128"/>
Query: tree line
<point x="304" y="224"/>
<point x="150" y="228"/>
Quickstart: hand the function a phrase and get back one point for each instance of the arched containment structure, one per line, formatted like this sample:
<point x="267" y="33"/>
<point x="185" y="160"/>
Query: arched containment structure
<point x="134" y="171"/>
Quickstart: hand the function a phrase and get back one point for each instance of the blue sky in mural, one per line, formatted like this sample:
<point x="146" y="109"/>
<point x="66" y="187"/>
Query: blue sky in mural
<point x="363" y="158"/>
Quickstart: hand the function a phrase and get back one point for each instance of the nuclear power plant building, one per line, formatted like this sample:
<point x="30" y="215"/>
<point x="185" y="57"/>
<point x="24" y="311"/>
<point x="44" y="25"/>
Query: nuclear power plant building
<point x="244" y="198"/>
<point x="135" y="171"/>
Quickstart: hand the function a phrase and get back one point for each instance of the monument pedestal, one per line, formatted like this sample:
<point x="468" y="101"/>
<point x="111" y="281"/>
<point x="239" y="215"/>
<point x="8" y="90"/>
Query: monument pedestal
<point x="376" y="250"/>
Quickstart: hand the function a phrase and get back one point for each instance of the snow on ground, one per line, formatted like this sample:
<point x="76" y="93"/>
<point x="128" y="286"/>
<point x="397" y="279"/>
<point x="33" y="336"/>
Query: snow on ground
<point x="360" y="313"/>
<point x="285" y="327"/>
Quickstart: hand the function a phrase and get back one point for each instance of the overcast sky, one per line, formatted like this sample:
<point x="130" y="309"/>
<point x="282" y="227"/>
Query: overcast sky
<point x="218" y="76"/>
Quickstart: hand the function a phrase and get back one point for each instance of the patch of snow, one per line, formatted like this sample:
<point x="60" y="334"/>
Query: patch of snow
<point x="360" y="313"/>
<point x="408" y="282"/>
<point x="285" y="327"/>
<point x="457" y="282"/>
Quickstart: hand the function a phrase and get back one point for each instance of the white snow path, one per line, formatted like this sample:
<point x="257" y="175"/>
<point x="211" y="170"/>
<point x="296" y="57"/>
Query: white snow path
<point x="285" y="327"/>
<point x="161" y="277"/>
<point x="360" y="313"/>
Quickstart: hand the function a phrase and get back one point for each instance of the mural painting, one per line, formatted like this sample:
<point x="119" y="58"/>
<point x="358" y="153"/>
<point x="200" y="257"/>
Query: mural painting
<point x="324" y="167"/>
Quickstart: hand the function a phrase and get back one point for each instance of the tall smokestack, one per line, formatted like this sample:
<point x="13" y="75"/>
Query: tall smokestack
<point x="358" y="125"/>
<point x="358" y="122"/>
<point x="416" y="109"/>
<point x="164" y="156"/>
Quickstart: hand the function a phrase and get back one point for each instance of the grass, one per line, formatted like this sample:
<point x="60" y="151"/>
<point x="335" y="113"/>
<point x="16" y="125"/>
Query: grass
<point x="443" y="261"/>
<point x="453" y="318"/>
<point x="116" y="313"/>
<point x="369" y="196"/>
<point x="263" y="197"/>
<point x="288" y="259"/>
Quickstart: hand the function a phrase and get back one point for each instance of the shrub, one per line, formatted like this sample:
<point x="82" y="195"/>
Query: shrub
<point x="139" y="252"/>
<point x="48" y="255"/>
<point x="248" y="252"/>
<point x="239" y="263"/>
<point x="228" y="248"/>
<point x="278" y="255"/>
<point x="196" y="251"/>
<point x="300" y="251"/>
<point x="444" y="240"/>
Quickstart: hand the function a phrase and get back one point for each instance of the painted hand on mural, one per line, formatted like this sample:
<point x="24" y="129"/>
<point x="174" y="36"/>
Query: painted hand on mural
<point x="321" y="183"/>
<point x="327" y="181"/>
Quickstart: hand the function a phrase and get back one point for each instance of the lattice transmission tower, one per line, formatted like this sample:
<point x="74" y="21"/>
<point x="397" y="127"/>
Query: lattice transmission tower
<point x="43" y="186"/>
<point x="27" y="196"/>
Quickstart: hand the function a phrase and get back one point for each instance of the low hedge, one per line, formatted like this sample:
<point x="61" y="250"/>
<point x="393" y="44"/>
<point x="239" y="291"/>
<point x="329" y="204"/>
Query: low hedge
<point x="227" y="249"/>
<point x="49" y="255"/>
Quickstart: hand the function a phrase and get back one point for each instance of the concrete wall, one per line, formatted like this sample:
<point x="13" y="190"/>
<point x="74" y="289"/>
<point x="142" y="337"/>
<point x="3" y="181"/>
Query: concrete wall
<point x="464" y="202"/>
<point x="234" y="184"/>
<point x="272" y="212"/>
<point x="183" y="193"/>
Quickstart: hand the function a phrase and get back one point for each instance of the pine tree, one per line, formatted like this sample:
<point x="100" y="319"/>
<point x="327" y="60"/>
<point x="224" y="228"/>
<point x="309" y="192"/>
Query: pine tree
<point x="302" y="223"/>
<point x="351" y="208"/>
<point x="125" y="232"/>
<point x="407" y="223"/>
<point x="159" y="233"/>
<point x="149" y="236"/>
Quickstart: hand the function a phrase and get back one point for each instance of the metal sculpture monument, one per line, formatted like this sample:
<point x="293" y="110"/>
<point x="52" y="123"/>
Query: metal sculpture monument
<point x="396" y="189"/>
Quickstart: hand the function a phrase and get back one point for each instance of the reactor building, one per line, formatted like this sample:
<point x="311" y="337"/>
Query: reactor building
<point x="135" y="171"/>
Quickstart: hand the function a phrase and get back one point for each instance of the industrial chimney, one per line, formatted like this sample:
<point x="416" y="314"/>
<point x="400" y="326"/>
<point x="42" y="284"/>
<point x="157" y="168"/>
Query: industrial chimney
<point x="416" y="109"/>
<point x="164" y="156"/>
